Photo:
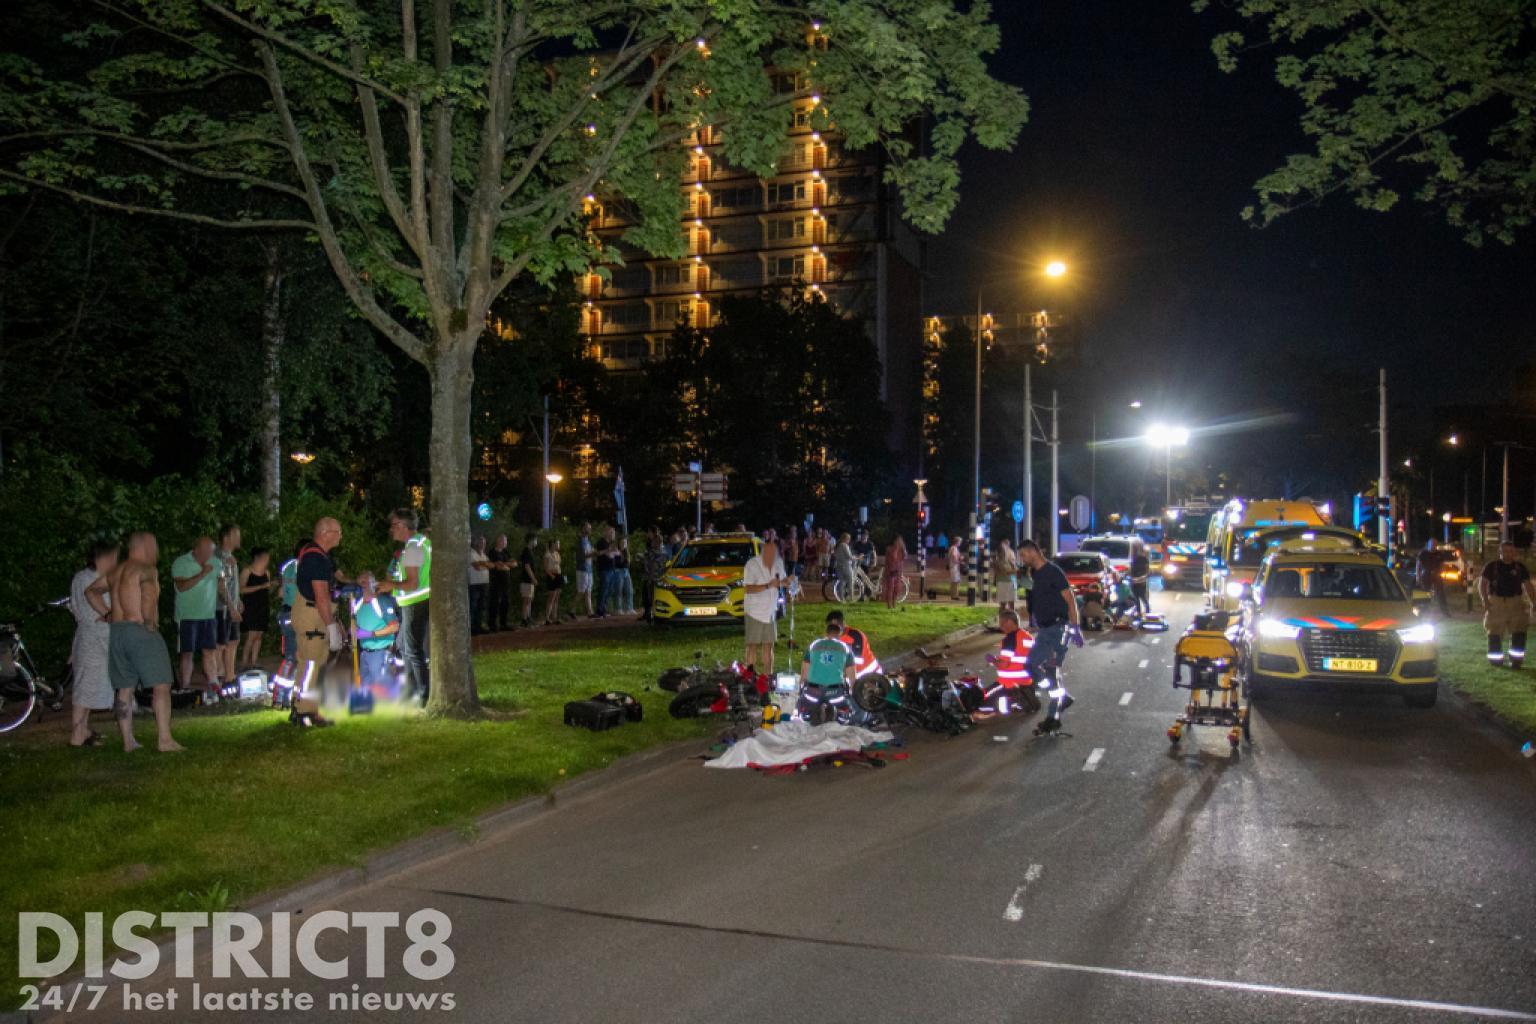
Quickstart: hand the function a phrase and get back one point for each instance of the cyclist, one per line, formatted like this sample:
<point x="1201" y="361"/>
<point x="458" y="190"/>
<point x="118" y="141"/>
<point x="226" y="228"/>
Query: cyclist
<point x="1054" y="610"/>
<point x="857" y="642"/>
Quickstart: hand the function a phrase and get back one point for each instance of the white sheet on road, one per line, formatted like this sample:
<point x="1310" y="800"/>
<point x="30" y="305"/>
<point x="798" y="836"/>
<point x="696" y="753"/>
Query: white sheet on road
<point x="793" y="742"/>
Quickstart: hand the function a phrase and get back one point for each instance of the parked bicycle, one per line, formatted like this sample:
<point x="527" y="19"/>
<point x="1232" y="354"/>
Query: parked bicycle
<point x="23" y="687"/>
<point x="863" y="587"/>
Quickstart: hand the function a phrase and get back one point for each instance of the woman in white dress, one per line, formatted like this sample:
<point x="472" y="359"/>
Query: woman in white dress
<point x="92" y="687"/>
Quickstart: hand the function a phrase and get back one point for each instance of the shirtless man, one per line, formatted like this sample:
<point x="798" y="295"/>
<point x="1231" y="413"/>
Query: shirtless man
<point x="137" y="655"/>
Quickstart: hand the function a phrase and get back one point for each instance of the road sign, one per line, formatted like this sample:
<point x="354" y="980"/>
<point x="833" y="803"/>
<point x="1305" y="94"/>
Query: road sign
<point x="1018" y="511"/>
<point x="1080" y="512"/>
<point x="683" y="483"/>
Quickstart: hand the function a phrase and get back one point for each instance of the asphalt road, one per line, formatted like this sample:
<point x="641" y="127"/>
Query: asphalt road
<point x="1360" y="862"/>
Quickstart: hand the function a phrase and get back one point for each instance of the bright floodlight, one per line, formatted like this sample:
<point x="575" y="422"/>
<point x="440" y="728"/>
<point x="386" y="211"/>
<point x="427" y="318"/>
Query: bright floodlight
<point x="1164" y="436"/>
<point x="553" y="478"/>
<point x="1055" y="268"/>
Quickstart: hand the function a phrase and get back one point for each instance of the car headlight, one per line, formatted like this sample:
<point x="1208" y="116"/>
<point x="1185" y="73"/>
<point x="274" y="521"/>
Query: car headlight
<point x="1169" y="569"/>
<point x="1423" y="633"/>
<point x="1234" y="589"/>
<point x="1277" y="630"/>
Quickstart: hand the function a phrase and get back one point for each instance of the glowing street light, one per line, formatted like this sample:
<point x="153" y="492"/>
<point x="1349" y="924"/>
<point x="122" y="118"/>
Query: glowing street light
<point x="553" y="478"/>
<point x="1056" y="268"/>
<point x="1167" y="438"/>
<point x="303" y="458"/>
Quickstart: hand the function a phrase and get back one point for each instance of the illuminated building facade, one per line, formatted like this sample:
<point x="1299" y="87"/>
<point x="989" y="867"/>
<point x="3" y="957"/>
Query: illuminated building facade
<point x="824" y="221"/>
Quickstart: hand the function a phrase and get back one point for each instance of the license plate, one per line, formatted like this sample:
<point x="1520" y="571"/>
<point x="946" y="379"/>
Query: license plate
<point x="1349" y="664"/>
<point x="710" y="610"/>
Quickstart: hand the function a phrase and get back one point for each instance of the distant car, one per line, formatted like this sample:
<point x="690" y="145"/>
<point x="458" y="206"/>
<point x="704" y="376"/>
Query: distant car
<point x="1321" y="613"/>
<point x="1118" y="549"/>
<point x="702" y="582"/>
<point x="1087" y="570"/>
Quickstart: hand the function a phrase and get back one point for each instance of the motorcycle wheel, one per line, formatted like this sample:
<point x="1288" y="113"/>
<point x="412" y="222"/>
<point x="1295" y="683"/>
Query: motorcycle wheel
<point x="694" y="702"/>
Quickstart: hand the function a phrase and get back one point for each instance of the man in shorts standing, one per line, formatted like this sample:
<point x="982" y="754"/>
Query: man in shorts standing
<point x="196" y="576"/>
<point x="584" y="567"/>
<point x="761" y="580"/>
<point x="136" y="654"/>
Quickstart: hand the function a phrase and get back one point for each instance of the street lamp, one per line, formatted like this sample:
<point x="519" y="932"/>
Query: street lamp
<point x="1056" y="268"/>
<point x="1167" y="438"/>
<point x="303" y="458"/>
<point x="553" y="478"/>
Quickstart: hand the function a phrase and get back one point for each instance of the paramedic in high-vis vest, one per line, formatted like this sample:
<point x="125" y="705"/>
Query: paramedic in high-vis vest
<point x="410" y="581"/>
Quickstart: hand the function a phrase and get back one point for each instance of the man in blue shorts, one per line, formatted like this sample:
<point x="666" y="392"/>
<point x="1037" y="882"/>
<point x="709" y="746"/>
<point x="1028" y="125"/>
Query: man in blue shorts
<point x="196" y="576"/>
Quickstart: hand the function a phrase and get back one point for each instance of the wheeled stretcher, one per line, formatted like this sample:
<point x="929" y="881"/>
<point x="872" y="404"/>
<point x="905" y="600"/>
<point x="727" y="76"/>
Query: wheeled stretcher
<point x="1207" y="650"/>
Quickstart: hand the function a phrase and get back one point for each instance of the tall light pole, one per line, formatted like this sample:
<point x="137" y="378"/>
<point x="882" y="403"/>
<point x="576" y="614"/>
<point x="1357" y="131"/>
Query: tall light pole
<point x="1054" y="270"/>
<point x="1383" y="481"/>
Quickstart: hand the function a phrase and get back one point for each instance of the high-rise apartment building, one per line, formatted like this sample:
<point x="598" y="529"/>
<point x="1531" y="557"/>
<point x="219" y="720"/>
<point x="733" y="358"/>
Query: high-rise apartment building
<point x="825" y="221"/>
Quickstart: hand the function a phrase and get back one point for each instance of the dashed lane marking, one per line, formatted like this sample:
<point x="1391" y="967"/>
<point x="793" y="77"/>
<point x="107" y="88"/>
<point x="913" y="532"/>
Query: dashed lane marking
<point x="1143" y="663"/>
<point x="1125" y="698"/>
<point x="1092" y="764"/>
<point x="1014" y="911"/>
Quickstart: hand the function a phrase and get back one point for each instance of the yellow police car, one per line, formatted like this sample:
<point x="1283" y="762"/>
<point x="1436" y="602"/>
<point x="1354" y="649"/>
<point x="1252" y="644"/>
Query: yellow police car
<point x="702" y="582"/>
<point x="1322" y="611"/>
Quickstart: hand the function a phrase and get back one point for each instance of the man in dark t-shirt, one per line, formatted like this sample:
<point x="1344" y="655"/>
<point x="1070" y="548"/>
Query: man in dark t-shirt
<point x="1053" y="606"/>
<point x="1508" y="593"/>
<point x="528" y="576"/>
<point x="602" y="569"/>
<point x="315" y="628"/>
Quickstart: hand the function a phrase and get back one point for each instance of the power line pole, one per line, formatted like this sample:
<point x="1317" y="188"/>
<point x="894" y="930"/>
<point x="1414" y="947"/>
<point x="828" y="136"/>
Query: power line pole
<point x="546" y="484"/>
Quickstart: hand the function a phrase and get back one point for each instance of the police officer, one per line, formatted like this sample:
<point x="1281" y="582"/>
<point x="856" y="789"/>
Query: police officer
<point x="410" y="581"/>
<point x="1507" y="593"/>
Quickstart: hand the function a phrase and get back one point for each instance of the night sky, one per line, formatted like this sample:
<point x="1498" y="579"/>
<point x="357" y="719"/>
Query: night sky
<point x="1136" y="160"/>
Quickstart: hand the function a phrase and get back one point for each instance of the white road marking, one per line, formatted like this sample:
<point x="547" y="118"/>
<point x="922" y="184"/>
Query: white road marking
<point x="1157" y="639"/>
<point x="1142" y="663"/>
<point x="1015" y="909"/>
<point x="1092" y="764"/>
<point x="884" y="949"/>
<point x="1125" y="698"/>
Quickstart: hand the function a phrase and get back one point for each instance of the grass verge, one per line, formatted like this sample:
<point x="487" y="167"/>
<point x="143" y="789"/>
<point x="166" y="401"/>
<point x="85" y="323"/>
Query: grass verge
<point x="1511" y="695"/>
<point x="255" y="804"/>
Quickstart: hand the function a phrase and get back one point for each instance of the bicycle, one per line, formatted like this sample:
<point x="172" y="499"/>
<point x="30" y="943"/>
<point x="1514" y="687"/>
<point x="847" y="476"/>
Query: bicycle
<point x="863" y="587"/>
<point x="22" y="685"/>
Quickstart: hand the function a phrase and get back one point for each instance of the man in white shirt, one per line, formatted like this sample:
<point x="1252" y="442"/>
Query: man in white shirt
<point x="762" y="579"/>
<point x="479" y="584"/>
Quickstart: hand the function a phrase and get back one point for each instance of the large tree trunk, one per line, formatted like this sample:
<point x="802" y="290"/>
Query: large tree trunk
<point x="274" y="329"/>
<point x="451" y="370"/>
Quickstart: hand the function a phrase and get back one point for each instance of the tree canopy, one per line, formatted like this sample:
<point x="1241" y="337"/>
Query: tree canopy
<point x="1428" y="96"/>
<point x="440" y="150"/>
